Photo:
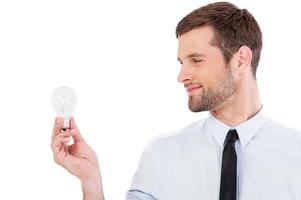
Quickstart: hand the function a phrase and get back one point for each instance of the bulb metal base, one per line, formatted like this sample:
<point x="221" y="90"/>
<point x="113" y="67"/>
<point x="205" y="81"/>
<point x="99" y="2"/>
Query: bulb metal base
<point x="66" y="124"/>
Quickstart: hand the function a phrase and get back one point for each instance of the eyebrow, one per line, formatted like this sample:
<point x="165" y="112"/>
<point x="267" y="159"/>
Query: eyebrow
<point x="193" y="55"/>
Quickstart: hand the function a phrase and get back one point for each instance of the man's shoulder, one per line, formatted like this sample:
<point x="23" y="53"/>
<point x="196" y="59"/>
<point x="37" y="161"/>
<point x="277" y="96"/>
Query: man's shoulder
<point x="174" y="138"/>
<point x="184" y="132"/>
<point x="282" y="130"/>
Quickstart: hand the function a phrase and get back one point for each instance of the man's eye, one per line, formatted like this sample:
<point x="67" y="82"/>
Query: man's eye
<point x="197" y="60"/>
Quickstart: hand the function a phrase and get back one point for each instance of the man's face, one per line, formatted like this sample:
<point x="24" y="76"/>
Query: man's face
<point x="206" y="77"/>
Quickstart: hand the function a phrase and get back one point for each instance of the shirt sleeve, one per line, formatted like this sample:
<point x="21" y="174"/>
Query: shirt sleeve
<point x="138" y="195"/>
<point x="145" y="181"/>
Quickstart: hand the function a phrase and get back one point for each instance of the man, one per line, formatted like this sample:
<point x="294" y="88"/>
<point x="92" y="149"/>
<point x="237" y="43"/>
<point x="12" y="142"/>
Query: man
<point x="235" y="153"/>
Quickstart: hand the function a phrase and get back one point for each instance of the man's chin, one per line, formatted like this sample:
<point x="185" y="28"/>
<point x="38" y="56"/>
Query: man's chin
<point x="196" y="108"/>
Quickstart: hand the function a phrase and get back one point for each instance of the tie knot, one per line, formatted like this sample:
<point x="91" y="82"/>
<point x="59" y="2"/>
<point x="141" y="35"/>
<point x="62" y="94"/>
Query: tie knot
<point x="232" y="136"/>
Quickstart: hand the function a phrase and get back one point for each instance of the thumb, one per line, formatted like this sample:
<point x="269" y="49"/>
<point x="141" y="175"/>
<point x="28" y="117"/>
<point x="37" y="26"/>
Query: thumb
<point x="72" y="123"/>
<point x="77" y="137"/>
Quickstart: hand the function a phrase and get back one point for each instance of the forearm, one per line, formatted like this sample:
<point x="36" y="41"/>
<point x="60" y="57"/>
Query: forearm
<point x="92" y="189"/>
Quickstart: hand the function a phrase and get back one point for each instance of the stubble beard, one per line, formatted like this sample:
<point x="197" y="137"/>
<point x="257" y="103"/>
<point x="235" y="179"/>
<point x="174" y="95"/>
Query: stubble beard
<point x="212" y="97"/>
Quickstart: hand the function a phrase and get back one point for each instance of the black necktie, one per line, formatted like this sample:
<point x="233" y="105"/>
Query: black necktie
<point x="229" y="168"/>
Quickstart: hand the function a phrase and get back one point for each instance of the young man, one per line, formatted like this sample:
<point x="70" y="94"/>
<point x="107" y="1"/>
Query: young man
<point x="235" y="153"/>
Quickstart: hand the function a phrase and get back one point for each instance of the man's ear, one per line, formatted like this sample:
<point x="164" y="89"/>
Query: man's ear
<point x="244" y="58"/>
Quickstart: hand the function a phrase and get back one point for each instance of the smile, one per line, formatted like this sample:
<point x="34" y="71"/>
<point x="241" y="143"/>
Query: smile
<point x="191" y="90"/>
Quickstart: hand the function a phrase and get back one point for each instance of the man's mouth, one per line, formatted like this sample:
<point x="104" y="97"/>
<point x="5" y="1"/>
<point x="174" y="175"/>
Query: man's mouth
<point x="193" y="88"/>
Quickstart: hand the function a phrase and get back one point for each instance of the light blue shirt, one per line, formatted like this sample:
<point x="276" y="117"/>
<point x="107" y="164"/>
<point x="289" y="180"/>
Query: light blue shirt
<point x="186" y="165"/>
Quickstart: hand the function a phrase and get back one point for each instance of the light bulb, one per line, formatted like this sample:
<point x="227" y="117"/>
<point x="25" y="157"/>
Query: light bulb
<point x="63" y="100"/>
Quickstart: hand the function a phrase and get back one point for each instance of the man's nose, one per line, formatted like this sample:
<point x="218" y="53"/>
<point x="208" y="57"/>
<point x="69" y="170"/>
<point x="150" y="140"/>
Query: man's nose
<point x="184" y="74"/>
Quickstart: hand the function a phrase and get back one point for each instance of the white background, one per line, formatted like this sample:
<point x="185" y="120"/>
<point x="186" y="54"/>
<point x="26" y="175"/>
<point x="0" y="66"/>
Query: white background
<point x="120" y="58"/>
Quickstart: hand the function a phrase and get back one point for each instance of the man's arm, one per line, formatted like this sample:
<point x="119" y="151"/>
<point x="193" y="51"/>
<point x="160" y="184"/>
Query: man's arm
<point x="92" y="190"/>
<point x="78" y="158"/>
<point x="145" y="181"/>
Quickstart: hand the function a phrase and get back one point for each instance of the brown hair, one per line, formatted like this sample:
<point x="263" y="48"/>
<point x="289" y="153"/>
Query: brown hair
<point x="233" y="28"/>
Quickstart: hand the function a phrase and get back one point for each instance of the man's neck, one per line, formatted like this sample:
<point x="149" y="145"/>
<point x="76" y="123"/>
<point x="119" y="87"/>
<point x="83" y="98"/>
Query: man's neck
<point x="239" y="108"/>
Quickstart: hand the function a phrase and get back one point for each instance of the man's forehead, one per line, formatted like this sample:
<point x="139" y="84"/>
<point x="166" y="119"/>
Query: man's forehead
<point x="195" y="42"/>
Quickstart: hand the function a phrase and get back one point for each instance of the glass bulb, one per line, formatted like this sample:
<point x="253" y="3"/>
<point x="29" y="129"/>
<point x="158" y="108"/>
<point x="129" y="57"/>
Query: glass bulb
<point x="63" y="100"/>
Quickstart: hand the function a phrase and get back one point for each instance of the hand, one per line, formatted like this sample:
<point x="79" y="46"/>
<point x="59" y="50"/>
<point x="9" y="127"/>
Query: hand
<point x="78" y="158"/>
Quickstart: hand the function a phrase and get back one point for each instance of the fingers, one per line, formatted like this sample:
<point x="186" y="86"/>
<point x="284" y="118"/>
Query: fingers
<point x="59" y="141"/>
<point x="72" y="123"/>
<point x="77" y="137"/>
<point x="57" y="130"/>
<point x="58" y="125"/>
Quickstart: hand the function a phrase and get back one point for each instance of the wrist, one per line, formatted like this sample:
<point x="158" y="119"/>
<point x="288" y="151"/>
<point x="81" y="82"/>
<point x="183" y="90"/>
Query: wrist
<point x="92" y="188"/>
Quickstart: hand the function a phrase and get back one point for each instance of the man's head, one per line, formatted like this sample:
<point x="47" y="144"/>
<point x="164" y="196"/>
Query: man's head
<point x="219" y="48"/>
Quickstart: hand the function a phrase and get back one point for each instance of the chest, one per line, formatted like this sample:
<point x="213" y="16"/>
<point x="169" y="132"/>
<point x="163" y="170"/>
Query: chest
<point x="195" y="174"/>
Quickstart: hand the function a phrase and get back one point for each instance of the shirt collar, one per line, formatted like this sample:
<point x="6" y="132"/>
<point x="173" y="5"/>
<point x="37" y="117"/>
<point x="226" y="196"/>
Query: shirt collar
<point x="246" y="130"/>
